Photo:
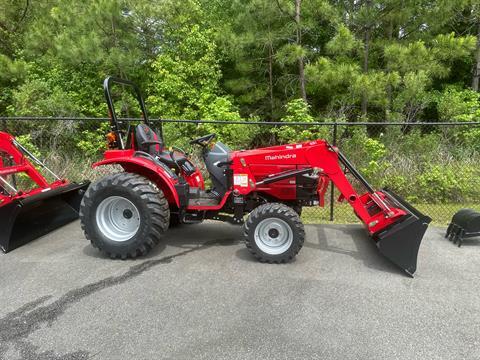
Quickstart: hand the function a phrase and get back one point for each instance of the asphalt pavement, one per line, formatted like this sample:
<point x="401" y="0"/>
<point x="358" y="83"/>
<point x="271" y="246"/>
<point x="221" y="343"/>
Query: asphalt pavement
<point x="200" y="295"/>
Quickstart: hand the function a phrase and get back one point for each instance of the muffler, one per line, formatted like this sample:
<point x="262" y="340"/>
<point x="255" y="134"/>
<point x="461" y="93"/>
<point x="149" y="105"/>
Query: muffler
<point x="400" y="241"/>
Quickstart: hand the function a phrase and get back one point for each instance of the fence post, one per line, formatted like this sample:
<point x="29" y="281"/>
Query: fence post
<point x="332" y="188"/>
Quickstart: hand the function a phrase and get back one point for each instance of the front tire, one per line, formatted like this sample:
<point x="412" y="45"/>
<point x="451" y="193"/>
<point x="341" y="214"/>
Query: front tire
<point x="124" y="215"/>
<point x="274" y="233"/>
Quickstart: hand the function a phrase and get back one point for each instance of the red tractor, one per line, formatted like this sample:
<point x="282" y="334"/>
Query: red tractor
<point x="125" y="214"/>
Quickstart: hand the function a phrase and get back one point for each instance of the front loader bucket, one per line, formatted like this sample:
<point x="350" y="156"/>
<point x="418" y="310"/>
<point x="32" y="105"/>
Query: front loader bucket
<point x="400" y="242"/>
<point x="26" y="219"/>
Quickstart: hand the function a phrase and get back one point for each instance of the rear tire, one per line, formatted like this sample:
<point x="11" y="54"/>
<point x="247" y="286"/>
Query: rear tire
<point x="124" y="215"/>
<point x="274" y="233"/>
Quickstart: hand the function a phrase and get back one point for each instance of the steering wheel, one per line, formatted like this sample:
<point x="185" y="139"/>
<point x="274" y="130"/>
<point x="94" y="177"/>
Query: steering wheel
<point x="204" y="140"/>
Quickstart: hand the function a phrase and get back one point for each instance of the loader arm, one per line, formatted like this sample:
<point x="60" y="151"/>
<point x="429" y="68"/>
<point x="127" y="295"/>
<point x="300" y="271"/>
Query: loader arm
<point x="21" y="164"/>
<point x="370" y="207"/>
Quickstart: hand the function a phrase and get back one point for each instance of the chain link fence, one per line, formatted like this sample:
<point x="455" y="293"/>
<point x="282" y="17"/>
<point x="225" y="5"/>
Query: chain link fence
<point x="434" y="166"/>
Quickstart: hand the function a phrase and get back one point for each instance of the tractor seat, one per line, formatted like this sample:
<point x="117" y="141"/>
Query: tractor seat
<point x="144" y="134"/>
<point x="165" y="158"/>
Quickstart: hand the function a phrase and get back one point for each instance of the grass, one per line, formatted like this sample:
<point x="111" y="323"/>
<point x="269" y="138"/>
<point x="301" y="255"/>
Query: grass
<point x="441" y="214"/>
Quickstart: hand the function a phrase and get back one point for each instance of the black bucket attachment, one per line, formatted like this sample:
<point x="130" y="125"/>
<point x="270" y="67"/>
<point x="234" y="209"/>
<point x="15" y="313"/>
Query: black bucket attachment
<point x="400" y="242"/>
<point x="465" y="224"/>
<point x="24" y="220"/>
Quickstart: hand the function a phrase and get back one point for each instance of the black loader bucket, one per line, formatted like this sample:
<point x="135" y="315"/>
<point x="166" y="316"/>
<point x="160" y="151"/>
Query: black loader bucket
<point x="400" y="242"/>
<point x="465" y="224"/>
<point x="26" y="219"/>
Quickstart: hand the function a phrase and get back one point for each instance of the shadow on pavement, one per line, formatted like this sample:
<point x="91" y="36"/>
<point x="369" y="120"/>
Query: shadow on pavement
<point x="471" y="242"/>
<point x="244" y="254"/>
<point x="365" y="249"/>
<point x="187" y="236"/>
<point x="90" y="251"/>
<point x="193" y="236"/>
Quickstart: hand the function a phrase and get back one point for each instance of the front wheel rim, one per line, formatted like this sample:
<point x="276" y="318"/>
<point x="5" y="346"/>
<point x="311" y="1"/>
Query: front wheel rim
<point x="273" y="236"/>
<point x="118" y="218"/>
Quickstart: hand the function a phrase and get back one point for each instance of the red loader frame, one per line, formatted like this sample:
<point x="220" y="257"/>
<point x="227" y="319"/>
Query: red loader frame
<point x="26" y="215"/>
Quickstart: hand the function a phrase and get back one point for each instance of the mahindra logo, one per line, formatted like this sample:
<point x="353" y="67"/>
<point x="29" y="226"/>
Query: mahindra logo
<point x="280" y="157"/>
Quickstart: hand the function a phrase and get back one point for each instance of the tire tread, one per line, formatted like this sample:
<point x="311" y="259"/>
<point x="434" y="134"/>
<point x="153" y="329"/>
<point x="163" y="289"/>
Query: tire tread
<point x="268" y="210"/>
<point x="154" y="200"/>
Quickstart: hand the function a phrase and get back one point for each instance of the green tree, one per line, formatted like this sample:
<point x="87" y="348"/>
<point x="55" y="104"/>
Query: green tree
<point x="185" y="85"/>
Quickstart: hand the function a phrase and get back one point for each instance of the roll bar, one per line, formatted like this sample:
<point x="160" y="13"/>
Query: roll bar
<point x="107" y="85"/>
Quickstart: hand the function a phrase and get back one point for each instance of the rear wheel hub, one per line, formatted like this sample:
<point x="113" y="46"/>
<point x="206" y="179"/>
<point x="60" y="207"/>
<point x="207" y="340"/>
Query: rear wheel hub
<point x="118" y="218"/>
<point x="273" y="233"/>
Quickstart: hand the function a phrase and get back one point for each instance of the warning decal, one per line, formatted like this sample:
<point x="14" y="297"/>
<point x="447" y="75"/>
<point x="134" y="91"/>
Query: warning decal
<point x="240" y="180"/>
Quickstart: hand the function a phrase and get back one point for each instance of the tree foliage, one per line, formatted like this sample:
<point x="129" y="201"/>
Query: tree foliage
<point x="365" y="59"/>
